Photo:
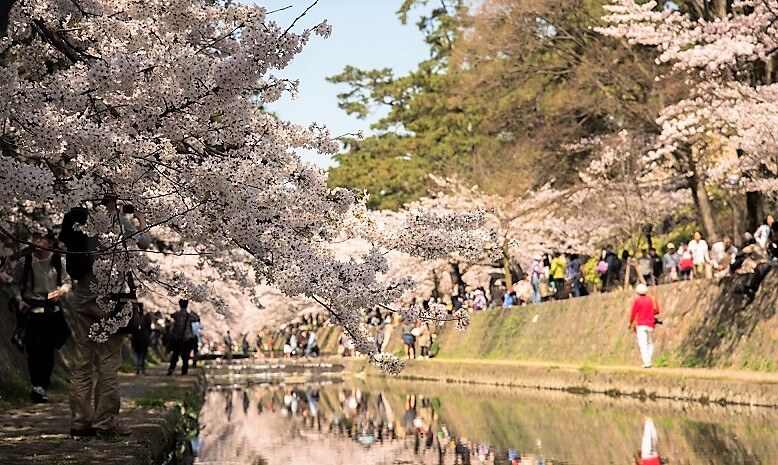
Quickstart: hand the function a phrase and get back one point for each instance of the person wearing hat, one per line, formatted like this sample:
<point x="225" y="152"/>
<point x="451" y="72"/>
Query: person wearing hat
<point x="642" y="319"/>
<point x="670" y="263"/>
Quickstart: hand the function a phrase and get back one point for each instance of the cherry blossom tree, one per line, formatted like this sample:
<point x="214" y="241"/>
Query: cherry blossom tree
<point x="724" y="131"/>
<point x="534" y="222"/>
<point x="624" y="185"/>
<point x="161" y="103"/>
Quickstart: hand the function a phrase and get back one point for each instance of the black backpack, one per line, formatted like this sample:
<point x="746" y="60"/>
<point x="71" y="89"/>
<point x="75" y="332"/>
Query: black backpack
<point x="79" y="262"/>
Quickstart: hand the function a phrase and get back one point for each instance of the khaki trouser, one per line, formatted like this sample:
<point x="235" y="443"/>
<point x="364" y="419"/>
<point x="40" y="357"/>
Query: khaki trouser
<point x="107" y="358"/>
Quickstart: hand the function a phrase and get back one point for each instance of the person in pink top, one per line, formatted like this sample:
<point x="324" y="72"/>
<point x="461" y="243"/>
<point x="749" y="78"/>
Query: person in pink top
<point x="642" y="321"/>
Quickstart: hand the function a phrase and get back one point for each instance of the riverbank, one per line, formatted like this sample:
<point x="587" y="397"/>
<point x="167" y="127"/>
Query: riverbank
<point x="155" y="407"/>
<point x="726" y="387"/>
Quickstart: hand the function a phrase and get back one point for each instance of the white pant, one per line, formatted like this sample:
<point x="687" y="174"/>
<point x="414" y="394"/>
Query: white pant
<point x="648" y="447"/>
<point x="646" y="343"/>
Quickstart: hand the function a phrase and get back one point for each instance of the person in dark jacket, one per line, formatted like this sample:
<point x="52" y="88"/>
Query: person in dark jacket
<point x="141" y="340"/>
<point x="614" y="266"/>
<point x="181" y="337"/>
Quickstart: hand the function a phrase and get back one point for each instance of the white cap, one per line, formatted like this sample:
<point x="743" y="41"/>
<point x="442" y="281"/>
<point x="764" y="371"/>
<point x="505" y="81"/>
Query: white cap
<point x="642" y="289"/>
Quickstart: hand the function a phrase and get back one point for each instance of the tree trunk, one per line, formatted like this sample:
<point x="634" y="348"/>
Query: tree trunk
<point x="737" y="205"/>
<point x="719" y="8"/>
<point x="506" y="263"/>
<point x="436" y="285"/>
<point x="704" y="207"/>
<point x="754" y="210"/>
<point x="456" y="278"/>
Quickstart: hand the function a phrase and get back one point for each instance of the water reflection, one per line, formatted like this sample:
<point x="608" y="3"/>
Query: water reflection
<point x="649" y="453"/>
<point x="392" y="423"/>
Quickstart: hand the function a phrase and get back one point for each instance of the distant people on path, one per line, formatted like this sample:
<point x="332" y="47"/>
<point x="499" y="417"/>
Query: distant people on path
<point x="290" y="346"/>
<point x="608" y="268"/>
<point x="646" y="268"/>
<point x="229" y="345"/>
<point x="197" y="328"/>
<point x="642" y="319"/>
<point x="557" y="272"/>
<point x="260" y="351"/>
<point x="409" y="340"/>
<point x="574" y="274"/>
<point x="479" y="300"/>
<point x="41" y="326"/>
<point x="656" y="263"/>
<point x="764" y="231"/>
<point x="244" y="345"/>
<point x="535" y="277"/>
<point x="722" y="255"/>
<point x="182" y="338"/>
<point x="628" y="274"/>
<point x="106" y="357"/>
<point x="141" y="340"/>
<point x="699" y="250"/>
<point x="685" y="264"/>
<point x="670" y="264"/>
<point x="424" y="339"/>
<point x="498" y="295"/>
<point x="312" y="345"/>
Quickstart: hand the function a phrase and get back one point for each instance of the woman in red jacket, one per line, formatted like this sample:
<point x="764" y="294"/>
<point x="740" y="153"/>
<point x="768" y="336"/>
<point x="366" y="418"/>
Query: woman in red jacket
<point x="642" y="321"/>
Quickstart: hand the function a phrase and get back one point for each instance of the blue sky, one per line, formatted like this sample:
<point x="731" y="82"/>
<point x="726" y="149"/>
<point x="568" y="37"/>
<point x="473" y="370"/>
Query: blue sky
<point x="366" y="34"/>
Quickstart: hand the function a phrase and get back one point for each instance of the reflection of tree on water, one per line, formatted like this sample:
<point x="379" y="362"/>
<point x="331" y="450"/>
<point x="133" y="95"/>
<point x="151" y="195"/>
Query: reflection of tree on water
<point x="718" y="446"/>
<point x="276" y="417"/>
<point x="300" y="424"/>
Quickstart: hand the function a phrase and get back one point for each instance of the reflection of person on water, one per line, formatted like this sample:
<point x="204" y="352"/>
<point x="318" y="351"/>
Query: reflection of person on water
<point x="410" y="411"/>
<point x="648" y="453"/>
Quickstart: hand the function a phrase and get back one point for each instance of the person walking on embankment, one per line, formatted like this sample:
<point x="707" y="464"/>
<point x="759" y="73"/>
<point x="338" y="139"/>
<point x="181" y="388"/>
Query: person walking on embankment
<point x="642" y="319"/>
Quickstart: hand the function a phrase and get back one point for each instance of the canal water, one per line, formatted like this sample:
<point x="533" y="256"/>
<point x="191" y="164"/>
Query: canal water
<point x="294" y="420"/>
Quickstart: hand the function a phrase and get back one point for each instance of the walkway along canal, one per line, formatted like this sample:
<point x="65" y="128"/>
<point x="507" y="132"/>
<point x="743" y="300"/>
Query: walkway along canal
<point x="157" y="408"/>
<point x="290" y="413"/>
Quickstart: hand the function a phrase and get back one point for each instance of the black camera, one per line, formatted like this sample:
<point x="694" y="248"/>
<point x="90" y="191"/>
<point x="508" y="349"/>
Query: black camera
<point x="127" y="208"/>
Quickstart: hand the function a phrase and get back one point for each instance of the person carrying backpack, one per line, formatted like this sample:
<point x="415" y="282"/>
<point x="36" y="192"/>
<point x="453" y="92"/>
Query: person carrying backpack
<point x="181" y="338"/>
<point x="94" y="407"/>
<point x="42" y="328"/>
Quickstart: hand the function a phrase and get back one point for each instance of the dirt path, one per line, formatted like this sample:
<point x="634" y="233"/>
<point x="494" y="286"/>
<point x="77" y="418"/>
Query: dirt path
<point x="697" y="373"/>
<point x="39" y="433"/>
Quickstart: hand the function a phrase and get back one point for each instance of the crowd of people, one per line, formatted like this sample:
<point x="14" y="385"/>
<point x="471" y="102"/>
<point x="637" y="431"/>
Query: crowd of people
<point x="563" y="275"/>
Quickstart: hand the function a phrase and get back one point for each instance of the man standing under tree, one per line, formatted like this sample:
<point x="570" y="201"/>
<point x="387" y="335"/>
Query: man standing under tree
<point x="102" y="419"/>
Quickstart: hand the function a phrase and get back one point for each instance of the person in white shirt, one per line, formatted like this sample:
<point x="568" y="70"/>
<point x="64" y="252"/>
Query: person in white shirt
<point x="699" y="250"/>
<point x="762" y="234"/>
<point x="722" y="254"/>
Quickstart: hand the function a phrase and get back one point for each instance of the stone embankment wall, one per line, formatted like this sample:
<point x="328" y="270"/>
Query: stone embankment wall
<point x="584" y="345"/>
<point x="705" y="324"/>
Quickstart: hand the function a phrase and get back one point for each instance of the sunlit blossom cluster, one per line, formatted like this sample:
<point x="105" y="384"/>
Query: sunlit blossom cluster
<point x="726" y="107"/>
